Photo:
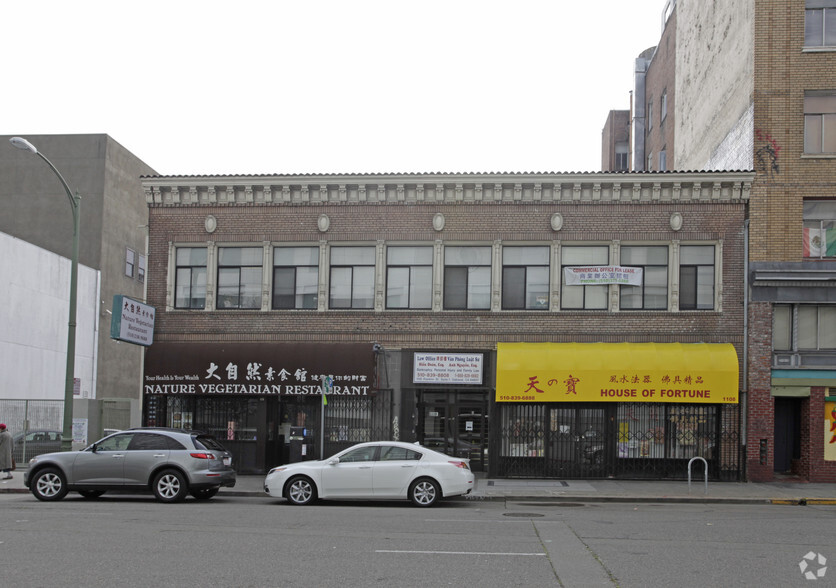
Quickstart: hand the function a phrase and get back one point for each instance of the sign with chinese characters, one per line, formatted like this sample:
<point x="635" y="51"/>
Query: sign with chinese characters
<point x="602" y="274"/>
<point x="617" y="372"/>
<point x="132" y="321"/>
<point x="447" y="368"/>
<point x="304" y="369"/>
<point x="830" y="428"/>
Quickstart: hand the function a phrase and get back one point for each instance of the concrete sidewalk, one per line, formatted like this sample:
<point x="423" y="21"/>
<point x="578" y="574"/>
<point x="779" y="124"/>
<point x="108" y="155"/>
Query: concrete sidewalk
<point x="655" y="491"/>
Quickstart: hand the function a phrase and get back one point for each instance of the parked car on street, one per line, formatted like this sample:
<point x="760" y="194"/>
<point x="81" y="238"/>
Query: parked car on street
<point x="382" y="470"/>
<point x="32" y="443"/>
<point x="169" y="462"/>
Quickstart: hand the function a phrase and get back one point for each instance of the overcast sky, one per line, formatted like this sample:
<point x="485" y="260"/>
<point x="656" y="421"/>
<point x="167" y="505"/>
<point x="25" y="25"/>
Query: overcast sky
<point x="327" y="86"/>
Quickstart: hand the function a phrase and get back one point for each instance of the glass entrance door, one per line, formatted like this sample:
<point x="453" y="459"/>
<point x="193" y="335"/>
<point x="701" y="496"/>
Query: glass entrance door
<point x="456" y="423"/>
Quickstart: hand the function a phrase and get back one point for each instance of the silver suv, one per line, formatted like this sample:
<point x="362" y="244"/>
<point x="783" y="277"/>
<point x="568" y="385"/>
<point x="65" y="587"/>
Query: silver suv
<point x="170" y="462"/>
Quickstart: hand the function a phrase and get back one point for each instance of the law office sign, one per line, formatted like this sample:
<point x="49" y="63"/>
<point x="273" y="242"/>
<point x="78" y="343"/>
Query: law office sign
<point x="132" y="322"/>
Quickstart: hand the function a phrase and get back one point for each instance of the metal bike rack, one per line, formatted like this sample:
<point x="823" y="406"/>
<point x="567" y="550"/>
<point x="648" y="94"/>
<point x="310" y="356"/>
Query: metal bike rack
<point x="705" y="463"/>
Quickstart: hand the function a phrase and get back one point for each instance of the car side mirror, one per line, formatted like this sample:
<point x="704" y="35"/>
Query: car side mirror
<point x="94" y="448"/>
<point x="334" y="461"/>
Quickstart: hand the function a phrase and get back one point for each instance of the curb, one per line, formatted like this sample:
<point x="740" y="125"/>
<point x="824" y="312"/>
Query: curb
<point x="543" y="500"/>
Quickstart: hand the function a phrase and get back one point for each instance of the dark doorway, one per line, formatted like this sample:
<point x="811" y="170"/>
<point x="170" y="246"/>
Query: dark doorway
<point x="455" y="423"/>
<point x="787" y="433"/>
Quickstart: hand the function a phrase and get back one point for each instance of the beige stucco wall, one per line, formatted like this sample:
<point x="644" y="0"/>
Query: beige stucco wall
<point x="714" y="85"/>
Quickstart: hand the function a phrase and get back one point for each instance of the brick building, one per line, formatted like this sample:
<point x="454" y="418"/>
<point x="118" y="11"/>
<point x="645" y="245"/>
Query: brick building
<point x="585" y="325"/>
<point x="754" y="87"/>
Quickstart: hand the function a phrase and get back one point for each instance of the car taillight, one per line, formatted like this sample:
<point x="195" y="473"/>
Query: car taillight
<point x="460" y="464"/>
<point x="202" y="455"/>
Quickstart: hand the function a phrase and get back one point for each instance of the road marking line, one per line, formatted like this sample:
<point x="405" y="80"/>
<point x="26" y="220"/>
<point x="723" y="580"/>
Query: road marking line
<point x="457" y="552"/>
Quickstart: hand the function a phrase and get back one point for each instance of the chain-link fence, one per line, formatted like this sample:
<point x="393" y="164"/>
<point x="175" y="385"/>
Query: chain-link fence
<point x="35" y="426"/>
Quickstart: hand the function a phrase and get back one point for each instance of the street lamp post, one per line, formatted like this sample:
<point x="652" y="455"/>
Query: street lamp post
<point x="75" y="203"/>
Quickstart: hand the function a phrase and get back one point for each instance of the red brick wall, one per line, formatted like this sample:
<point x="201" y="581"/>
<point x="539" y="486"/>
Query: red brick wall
<point x="465" y="223"/>
<point x="761" y="406"/>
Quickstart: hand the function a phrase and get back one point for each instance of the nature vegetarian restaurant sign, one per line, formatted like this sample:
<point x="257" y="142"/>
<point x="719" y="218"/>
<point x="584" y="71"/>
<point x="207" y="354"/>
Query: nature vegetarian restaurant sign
<point x="133" y="321"/>
<point x="705" y="373"/>
<point x="259" y="369"/>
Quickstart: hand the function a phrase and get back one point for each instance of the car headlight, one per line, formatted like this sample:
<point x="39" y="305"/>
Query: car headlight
<point x="276" y="470"/>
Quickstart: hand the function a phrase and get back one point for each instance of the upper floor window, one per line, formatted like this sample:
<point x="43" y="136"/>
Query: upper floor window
<point x="295" y="277"/>
<point x="467" y="278"/>
<point x="140" y="268"/>
<point x="622" y="156"/>
<point x="820" y="23"/>
<point x="820" y="121"/>
<point x="525" y="278"/>
<point x="190" y="277"/>
<point x="663" y="160"/>
<point x="815" y="327"/>
<point x="782" y="327"/>
<point x="239" y="277"/>
<point x="653" y="293"/>
<point x="584" y="297"/>
<point x="663" y="107"/>
<point x="352" y="277"/>
<point x="130" y="262"/>
<point x="819" y="228"/>
<point x="696" y="277"/>
<point x="409" y="277"/>
<point x="649" y="115"/>
<point x="650" y="161"/>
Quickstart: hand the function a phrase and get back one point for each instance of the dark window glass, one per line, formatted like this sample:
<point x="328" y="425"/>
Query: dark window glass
<point x="148" y="441"/>
<point x="190" y="278"/>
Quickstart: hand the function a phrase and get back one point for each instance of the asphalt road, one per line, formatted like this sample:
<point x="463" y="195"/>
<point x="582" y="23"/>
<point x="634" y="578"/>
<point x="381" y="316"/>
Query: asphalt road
<point x="246" y="541"/>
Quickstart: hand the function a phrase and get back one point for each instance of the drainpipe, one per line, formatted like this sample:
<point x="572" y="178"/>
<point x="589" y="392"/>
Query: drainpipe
<point x="744" y="396"/>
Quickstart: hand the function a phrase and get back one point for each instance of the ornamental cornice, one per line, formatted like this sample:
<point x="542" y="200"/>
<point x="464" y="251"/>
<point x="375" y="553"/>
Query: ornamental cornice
<point x="592" y="188"/>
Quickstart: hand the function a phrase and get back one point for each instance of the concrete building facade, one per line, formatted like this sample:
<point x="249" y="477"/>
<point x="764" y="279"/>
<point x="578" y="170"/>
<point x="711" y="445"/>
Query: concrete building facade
<point x="112" y="244"/>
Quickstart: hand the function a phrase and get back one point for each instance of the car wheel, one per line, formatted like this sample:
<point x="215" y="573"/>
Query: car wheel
<point x="170" y="486"/>
<point x="90" y="494"/>
<point x="424" y="492"/>
<point x="49" y="484"/>
<point x="300" y="491"/>
<point x="205" y="493"/>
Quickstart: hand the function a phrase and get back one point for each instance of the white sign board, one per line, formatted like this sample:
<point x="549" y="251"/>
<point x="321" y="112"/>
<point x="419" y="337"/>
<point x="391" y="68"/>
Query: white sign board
<point x="133" y="321"/>
<point x="602" y="274"/>
<point x="447" y="368"/>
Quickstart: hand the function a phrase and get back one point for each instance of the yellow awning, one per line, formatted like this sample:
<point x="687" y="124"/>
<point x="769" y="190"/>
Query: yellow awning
<point x="617" y="372"/>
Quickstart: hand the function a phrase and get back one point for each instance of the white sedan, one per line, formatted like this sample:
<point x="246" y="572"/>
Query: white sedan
<point x="382" y="470"/>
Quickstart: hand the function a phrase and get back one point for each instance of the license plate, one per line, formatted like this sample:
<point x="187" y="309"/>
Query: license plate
<point x="227" y="461"/>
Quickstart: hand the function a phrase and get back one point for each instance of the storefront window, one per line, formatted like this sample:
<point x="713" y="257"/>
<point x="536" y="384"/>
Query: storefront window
<point x="584" y="297"/>
<point x="409" y="277"/>
<point x="652" y="431"/>
<point x="352" y="277"/>
<point x="295" y="277"/>
<point x="239" y="277"/>
<point x="653" y="293"/>
<point x="190" y="278"/>
<point x="524" y="427"/>
<point x="525" y="278"/>
<point x="467" y="278"/>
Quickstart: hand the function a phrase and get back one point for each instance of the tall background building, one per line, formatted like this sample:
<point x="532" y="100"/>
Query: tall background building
<point x="37" y="235"/>
<point x="752" y="85"/>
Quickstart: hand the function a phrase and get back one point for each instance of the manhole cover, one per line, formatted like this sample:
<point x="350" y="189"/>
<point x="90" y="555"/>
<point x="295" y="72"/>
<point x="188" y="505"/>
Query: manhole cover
<point x="525" y="515"/>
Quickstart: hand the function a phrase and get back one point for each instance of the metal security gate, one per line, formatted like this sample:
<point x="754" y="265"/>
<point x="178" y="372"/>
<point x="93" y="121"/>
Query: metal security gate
<point x="615" y="440"/>
<point x="356" y="419"/>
